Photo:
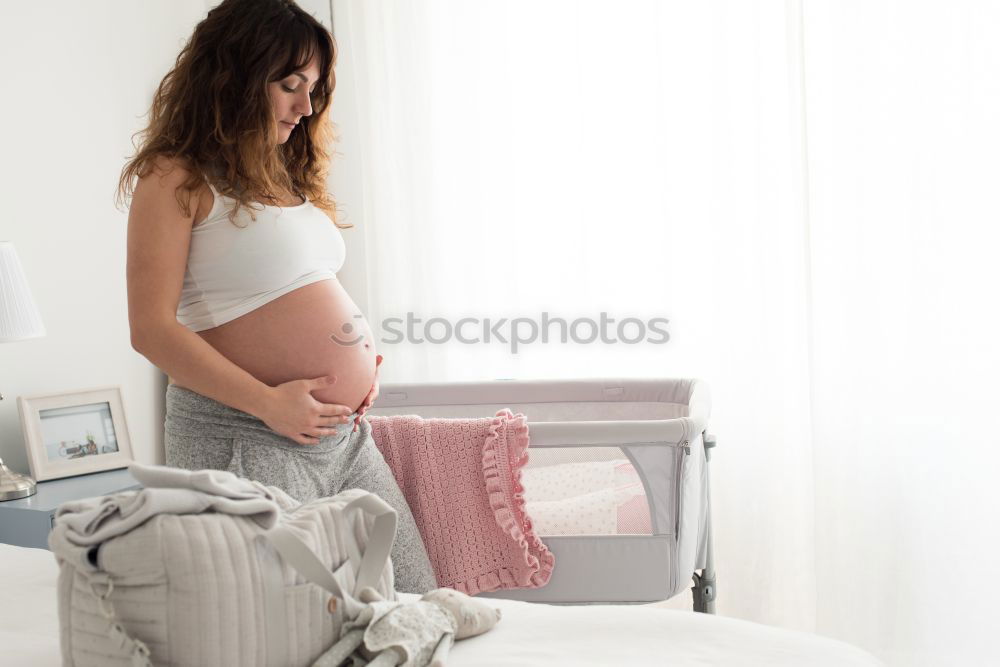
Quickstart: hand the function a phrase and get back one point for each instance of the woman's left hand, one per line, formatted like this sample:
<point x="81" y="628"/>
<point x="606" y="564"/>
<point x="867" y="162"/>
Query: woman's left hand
<point x="370" y="398"/>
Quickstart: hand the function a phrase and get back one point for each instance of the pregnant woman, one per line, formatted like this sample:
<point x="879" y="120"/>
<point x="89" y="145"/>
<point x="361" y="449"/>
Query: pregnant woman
<point x="233" y="250"/>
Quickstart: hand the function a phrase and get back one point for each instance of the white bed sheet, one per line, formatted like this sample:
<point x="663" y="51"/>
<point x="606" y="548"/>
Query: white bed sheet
<point x="528" y="634"/>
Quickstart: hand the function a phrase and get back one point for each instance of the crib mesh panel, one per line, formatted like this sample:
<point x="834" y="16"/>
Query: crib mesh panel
<point x="584" y="491"/>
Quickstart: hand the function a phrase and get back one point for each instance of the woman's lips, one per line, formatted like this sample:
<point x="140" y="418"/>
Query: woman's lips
<point x="291" y="125"/>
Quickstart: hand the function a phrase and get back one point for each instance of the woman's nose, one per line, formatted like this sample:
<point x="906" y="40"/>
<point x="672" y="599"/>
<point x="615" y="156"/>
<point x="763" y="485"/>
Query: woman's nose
<point x="304" y="104"/>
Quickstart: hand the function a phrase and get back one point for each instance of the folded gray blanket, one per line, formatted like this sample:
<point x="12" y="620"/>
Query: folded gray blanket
<point x="81" y="526"/>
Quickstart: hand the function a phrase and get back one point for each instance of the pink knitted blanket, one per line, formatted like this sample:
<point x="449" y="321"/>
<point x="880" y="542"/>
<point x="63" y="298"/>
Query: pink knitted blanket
<point x="462" y="480"/>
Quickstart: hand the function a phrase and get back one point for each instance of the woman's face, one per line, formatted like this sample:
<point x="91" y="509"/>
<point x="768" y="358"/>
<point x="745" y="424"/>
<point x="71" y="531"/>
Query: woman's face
<point x="291" y="99"/>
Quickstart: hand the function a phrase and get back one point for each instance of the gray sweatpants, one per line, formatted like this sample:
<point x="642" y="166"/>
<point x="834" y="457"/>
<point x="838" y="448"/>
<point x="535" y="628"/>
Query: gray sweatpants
<point x="200" y="432"/>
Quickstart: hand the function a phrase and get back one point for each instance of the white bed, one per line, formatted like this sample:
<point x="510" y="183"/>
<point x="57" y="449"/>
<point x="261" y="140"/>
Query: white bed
<point x="528" y="634"/>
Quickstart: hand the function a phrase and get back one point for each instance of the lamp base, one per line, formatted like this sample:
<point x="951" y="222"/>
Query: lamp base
<point x="14" y="485"/>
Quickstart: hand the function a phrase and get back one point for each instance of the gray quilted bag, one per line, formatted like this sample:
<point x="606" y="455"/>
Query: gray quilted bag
<point x="211" y="578"/>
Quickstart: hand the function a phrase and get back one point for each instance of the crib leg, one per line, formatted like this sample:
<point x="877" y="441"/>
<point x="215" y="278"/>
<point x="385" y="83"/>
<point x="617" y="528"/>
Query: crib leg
<point x="704" y="589"/>
<point x="703" y="592"/>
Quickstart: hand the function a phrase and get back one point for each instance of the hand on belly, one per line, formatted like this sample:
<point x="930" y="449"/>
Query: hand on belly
<point x="314" y="355"/>
<point x="355" y="377"/>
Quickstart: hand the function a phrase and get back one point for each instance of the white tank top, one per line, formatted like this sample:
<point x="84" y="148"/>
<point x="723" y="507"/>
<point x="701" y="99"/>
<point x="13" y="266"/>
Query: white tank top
<point x="232" y="271"/>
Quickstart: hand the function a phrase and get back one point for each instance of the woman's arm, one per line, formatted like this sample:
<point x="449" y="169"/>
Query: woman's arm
<point x="159" y="235"/>
<point x="195" y="364"/>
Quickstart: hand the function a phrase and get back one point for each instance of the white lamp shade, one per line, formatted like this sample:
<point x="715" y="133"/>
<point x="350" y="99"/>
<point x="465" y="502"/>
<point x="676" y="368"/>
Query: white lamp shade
<point x="19" y="318"/>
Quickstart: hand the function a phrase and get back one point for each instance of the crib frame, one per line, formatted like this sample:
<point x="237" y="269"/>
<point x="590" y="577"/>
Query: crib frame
<point x="663" y="433"/>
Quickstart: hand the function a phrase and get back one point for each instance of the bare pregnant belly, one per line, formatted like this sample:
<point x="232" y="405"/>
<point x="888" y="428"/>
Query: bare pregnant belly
<point x="312" y="331"/>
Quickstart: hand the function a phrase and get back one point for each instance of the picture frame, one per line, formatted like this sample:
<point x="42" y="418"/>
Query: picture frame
<point x="75" y="433"/>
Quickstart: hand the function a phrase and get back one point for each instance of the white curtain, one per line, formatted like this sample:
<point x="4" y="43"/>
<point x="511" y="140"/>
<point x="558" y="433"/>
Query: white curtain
<point x="805" y="190"/>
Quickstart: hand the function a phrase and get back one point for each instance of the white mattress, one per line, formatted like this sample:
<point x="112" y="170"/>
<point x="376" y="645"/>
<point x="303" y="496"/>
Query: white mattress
<point x="528" y="634"/>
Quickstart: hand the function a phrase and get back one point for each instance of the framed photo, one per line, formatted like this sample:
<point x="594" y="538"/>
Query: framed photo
<point x="75" y="433"/>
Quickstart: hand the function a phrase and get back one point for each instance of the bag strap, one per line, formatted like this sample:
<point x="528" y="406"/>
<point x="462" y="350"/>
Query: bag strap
<point x="298" y="554"/>
<point x="280" y="540"/>
<point x="380" y="542"/>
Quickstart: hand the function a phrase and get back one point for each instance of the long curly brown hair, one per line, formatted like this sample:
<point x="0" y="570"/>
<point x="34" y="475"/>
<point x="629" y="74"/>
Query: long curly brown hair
<point x="212" y="112"/>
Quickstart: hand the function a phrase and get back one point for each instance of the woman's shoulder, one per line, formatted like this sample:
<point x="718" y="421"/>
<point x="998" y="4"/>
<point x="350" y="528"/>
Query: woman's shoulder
<point x="162" y="181"/>
<point x="176" y="167"/>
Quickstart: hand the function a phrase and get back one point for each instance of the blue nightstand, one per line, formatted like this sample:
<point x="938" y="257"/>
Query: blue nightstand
<point x="26" y="522"/>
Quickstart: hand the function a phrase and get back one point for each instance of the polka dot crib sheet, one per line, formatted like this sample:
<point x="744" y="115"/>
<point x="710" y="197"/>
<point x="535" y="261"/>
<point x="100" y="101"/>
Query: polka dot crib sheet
<point x="586" y="498"/>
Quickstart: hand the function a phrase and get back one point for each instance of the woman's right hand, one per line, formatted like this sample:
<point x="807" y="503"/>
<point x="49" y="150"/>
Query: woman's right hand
<point x="293" y="412"/>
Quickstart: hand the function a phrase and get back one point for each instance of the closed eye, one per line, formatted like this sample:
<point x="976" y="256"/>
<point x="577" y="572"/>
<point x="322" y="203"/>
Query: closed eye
<point x="295" y="90"/>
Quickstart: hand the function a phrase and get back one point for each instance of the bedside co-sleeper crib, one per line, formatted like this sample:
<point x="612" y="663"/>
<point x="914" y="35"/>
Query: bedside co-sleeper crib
<point x="616" y="482"/>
